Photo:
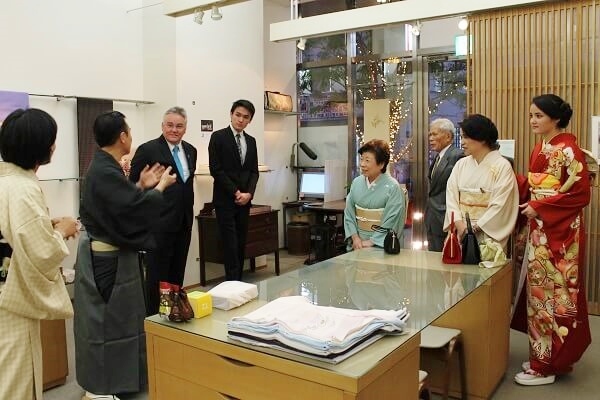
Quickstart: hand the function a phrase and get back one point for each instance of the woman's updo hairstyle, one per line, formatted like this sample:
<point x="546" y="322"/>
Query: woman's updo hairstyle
<point x="480" y="128"/>
<point x="554" y="107"/>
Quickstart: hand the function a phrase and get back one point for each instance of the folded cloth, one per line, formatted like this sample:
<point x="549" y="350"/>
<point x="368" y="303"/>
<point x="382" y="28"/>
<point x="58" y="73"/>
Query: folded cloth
<point x="492" y="254"/>
<point x="296" y="323"/>
<point x="232" y="294"/>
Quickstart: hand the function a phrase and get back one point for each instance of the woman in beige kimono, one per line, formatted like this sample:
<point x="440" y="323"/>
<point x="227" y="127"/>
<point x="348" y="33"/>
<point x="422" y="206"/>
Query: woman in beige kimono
<point x="483" y="184"/>
<point x="34" y="287"/>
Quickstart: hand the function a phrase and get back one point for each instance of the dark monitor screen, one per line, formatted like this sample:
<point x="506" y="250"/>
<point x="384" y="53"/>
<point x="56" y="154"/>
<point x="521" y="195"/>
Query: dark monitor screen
<point x="312" y="185"/>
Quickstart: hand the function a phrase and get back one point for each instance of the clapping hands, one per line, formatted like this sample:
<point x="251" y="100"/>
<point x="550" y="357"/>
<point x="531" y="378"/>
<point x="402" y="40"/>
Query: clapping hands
<point x="150" y="176"/>
<point x="156" y="176"/>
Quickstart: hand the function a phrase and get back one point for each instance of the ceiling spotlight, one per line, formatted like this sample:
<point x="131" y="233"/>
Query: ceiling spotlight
<point x="463" y="23"/>
<point x="215" y="13"/>
<point x="301" y="44"/>
<point x="416" y="28"/>
<point x="198" y="17"/>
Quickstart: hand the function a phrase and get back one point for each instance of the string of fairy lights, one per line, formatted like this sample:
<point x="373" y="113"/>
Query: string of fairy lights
<point x="394" y="87"/>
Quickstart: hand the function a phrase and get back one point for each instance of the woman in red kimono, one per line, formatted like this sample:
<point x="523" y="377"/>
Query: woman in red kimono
<point x="554" y="308"/>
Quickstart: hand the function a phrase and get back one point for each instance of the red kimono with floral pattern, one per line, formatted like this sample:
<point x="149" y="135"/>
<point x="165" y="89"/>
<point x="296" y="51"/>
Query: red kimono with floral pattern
<point x="554" y="305"/>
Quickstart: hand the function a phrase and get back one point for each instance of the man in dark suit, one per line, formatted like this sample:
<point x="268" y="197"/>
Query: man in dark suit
<point x="173" y="230"/>
<point x="441" y="136"/>
<point x="233" y="164"/>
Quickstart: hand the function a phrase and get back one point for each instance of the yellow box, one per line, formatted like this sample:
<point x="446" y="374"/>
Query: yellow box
<point x="201" y="303"/>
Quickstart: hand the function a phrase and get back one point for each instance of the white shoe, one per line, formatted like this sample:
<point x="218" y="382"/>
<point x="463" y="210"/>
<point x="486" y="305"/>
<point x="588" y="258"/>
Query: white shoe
<point x="532" y="378"/>
<point x="92" y="396"/>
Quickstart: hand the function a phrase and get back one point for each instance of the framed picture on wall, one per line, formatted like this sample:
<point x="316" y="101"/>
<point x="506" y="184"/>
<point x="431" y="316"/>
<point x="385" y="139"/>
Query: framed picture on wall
<point x="596" y="136"/>
<point x="206" y="125"/>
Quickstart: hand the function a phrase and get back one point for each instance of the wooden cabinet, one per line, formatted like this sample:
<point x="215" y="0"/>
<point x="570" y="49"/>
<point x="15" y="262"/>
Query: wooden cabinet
<point x="54" y="353"/>
<point x="262" y="238"/>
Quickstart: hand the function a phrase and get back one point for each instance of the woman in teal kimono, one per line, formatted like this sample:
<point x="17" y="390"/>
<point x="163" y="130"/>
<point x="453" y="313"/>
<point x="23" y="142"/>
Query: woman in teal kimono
<point x="375" y="198"/>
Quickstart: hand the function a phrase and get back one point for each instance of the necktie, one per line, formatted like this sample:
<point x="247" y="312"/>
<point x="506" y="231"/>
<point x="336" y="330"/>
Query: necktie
<point x="239" y="145"/>
<point x="177" y="162"/>
<point x="435" y="164"/>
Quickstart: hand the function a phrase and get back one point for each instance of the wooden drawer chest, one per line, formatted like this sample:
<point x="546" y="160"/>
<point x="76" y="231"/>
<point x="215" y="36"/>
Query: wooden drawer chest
<point x="262" y="238"/>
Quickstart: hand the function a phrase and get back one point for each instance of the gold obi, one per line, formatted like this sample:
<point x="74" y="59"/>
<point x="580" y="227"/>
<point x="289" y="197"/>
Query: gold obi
<point x="542" y="185"/>
<point x="367" y="217"/>
<point x="474" y="201"/>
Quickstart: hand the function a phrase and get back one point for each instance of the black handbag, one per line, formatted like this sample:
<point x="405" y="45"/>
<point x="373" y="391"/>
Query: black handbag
<point x="470" y="246"/>
<point x="5" y="254"/>
<point x="391" y="243"/>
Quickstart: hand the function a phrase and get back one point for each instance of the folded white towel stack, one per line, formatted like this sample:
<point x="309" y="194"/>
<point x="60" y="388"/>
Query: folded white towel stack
<point x="232" y="294"/>
<point x="295" y="325"/>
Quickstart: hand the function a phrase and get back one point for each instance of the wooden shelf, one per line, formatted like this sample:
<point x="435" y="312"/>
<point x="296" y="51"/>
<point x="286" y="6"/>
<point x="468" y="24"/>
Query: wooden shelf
<point x="203" y="170"/>
<point x="283" y="113"/>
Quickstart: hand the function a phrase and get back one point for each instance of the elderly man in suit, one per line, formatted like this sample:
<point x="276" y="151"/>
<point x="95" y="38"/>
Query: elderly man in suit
<point x="441" y="136"/>
<point x="173" y="230"/>
<point x="233" y="163"/>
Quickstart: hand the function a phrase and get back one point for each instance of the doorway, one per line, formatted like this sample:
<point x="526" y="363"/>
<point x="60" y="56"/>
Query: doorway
<point x="419" y="88"/>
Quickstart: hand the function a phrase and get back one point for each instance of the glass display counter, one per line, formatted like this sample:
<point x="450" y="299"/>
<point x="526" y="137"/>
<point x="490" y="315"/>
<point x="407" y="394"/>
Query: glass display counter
<point x="197" y="359"/>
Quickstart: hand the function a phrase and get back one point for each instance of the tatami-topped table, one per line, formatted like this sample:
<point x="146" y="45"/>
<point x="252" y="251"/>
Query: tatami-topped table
<point x="196" y="360"/>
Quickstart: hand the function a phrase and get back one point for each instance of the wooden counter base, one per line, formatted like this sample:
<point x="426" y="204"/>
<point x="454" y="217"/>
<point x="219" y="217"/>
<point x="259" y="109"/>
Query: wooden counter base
<point x="184" y="365"/>
<point x="484" y="319"/>
<point x="54" y="353"/>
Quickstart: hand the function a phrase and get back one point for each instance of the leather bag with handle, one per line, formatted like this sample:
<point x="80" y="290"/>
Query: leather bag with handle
<point x="470" y="247"/>
<point x="451" y="253"/>
<point x="5" y="254"/>
<point x="391" y="243"/>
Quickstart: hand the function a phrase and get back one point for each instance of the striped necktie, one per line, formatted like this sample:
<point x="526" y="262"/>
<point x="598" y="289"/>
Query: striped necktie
<point x="239" y="146"/>
<point x="435" y="164"/>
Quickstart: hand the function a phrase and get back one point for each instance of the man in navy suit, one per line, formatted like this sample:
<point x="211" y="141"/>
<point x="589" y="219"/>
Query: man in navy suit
<point x="441" y="136"/>
<point x="174" y="228"/>
<point x="233" y="164"/>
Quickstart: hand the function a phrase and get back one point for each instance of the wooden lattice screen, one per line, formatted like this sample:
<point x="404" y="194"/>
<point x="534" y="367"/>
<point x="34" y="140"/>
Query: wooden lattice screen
<point x="523" y="52"/>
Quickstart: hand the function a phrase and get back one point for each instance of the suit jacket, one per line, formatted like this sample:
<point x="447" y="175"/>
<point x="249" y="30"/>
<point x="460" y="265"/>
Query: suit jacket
<point x="178" y="209"/>
<point x="435" y="209"/>
<point x="227" y="169"/>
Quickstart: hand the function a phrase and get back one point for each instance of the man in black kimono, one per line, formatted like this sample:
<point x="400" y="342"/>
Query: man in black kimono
<point x="233" y="163"/>
<point x="110" y="345"/>
<point x="173" y="231"/>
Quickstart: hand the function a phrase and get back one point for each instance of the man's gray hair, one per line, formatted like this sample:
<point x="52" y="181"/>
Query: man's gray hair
<point x="444" y="124"/>
<point x="177" y="110"/>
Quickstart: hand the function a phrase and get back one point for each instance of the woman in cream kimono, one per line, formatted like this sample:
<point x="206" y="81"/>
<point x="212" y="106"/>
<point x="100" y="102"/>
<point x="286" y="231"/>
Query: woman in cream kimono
<point x="34" y="287"/>
<point x="375" y="198"/>
<point x="484" y="185"/>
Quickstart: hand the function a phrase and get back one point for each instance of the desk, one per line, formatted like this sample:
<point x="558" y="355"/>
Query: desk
<point x="330" y="242"/>
<point x="197" y="360"/>
<point x="329" y="208"/>
<point x="262" y="238"/>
